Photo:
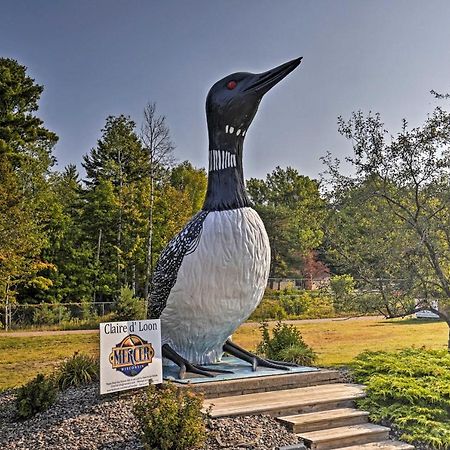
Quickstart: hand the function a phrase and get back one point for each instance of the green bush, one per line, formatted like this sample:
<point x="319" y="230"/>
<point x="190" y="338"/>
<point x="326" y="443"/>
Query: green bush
<point x="319" y="304"/>
<point x="343" y="289"/>
<point x="268" y="309"/>
<point x="78" y="370"/>
<point x="36" y="396"/>
<point x="286" y="344"/>
<point x="411" y="390"/>
<point x="87" y="324"/>
<point x="129" y="307"/>
<point x="294" y="304"/>
<point x="87" y="310"/>
<point x="170" y="418"/>
<point x="48" y="314"/>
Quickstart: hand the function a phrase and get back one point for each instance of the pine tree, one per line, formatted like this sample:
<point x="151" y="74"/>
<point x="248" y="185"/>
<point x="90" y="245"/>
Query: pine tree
<point x="25" y="162"/>
<point x="70" y="252"/>
<point x="115" y="212"/>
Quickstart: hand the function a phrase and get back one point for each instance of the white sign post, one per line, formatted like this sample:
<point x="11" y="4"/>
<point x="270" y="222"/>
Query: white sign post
<point x="130" y="355"/>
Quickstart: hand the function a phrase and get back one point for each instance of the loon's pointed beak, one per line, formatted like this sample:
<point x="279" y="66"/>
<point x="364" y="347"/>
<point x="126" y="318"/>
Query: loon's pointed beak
<point x="265" y="81"/>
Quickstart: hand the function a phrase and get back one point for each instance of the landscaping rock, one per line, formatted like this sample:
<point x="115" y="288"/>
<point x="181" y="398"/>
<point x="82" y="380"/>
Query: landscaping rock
<point x="82" y="420"/>
<point x="248" y="432"/>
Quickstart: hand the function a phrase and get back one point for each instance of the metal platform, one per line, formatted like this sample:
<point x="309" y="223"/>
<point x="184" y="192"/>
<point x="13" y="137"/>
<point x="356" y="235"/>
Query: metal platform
<point x="239" y="369"/>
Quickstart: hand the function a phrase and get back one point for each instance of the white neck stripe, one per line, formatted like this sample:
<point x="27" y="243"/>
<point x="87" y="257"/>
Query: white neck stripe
<point x="220" y="159"/>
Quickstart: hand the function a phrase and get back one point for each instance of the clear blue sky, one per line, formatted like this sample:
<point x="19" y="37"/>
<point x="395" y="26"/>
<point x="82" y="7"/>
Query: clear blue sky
<point x="103" y="57"/>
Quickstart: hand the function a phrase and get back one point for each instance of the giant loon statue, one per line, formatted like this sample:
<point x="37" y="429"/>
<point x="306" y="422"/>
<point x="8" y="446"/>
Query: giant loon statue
<point x="212" y="275"/>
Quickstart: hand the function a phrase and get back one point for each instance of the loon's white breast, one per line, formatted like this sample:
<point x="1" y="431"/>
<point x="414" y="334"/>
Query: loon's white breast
<point x="218" y="285"/>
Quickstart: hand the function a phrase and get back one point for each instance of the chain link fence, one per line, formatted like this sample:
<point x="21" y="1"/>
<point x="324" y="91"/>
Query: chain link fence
<point x="69" y="315"/>
<point x="88" y="315"/>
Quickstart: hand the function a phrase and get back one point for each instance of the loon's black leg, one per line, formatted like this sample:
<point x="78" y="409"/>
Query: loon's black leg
<point x="185" y="366"/>
<point x="234" y="350"/>
<point x="283" y="363"/>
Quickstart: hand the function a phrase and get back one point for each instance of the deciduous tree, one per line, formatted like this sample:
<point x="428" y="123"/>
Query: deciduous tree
<point x="407" y="178"/>
<point x="292" y="210"/>
<point x="156" y="140"/>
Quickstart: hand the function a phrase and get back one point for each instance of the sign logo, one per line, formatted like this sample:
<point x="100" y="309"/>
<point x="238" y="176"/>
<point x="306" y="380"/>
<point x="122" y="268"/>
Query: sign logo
<point x="131" y="355"/>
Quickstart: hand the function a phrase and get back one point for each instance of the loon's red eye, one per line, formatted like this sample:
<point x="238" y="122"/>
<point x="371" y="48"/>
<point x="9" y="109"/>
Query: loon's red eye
<point x="231" y="85"/>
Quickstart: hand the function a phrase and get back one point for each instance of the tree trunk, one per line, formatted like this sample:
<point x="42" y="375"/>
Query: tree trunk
<point x="119" y="228"/>
<point x="97" y="260"/>
<point x="448" y="341"/>
<point x="149" y="265"/>
<point x="437" y="267"/>
<point x="99" y="244"/>
<point x="445" y="314"/>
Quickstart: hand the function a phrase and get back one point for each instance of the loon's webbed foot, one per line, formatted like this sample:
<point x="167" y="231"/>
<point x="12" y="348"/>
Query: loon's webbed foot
<point x="186" y="366"/>
<point x="255" y="361"/>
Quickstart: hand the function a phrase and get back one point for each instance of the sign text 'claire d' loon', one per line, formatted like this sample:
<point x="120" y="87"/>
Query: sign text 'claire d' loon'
<point x="130" y="355"/>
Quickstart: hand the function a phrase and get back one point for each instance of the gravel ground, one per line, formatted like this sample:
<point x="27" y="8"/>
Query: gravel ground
<point x="81" y="420"/>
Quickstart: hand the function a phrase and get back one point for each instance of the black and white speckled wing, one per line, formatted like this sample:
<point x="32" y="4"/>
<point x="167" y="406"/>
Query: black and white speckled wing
<point x="169" y="262"/>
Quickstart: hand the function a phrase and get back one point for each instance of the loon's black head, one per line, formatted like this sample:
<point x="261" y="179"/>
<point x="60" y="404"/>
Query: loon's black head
<point x="233" y="101"/>
<point x="231" y="106"/>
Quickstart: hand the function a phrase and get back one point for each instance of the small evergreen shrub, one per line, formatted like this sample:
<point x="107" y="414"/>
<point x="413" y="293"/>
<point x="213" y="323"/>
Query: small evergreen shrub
<point x="286" y="344"/>
<point x="87" y="311"/>
<point x="78" y="370"/>
<point x="47" y="314"/>
<point x="170" y="418"/>
<point x="36" y="396"/>
<point x="411" y="390"/>
<point x="129" y="307"/>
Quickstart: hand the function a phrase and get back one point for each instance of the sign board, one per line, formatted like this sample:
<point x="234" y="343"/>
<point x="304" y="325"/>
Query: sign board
<point x="130" y="355"/>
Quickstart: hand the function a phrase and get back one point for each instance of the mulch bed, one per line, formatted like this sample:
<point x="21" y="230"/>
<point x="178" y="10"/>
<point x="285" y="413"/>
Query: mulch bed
<point x="82" y="420"/>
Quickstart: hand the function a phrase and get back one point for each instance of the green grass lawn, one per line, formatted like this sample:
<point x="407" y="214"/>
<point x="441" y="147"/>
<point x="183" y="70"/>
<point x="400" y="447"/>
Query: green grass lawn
<point x="23" y="357"/>
<point x="337" y="342"/>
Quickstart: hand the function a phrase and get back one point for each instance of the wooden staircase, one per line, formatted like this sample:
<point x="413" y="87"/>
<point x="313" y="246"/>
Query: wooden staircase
<point x="323" y="416"/>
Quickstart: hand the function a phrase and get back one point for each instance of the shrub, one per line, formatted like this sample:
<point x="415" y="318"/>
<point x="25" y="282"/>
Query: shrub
<point x="409" y="389"/>
<point x="129" y="307"/>
<point x="294" y="304"/>
<point x="170" y="418"/>
<point x="47" y="314"/>
<point x="36" y="396"/>
<point x="286" y="344"/>
<point x="78" y="370"/>
<point x="87" y="311"/>
<point x="268" y="309"/>
<point x="343" y="289"/>
<point x="319" y="305"/>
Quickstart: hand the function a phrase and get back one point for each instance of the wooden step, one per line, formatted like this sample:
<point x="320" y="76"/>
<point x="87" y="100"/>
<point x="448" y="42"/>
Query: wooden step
<point x="333" y="418"/>
<point x="353" y="435"/>
<point x="382" y="445"/>
<point x="240" y="386"/>
<point x="289" y="401"/>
